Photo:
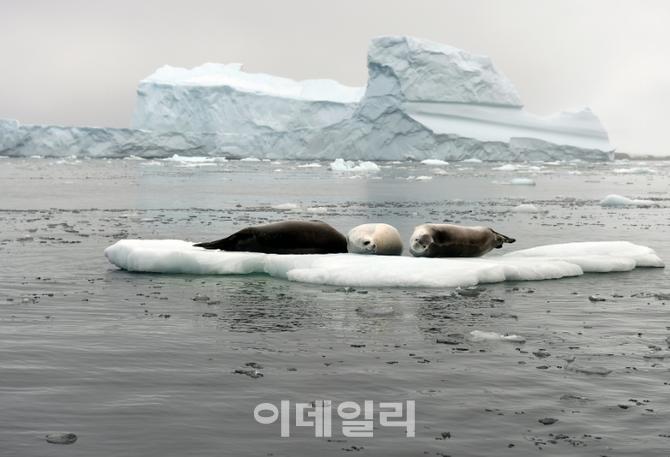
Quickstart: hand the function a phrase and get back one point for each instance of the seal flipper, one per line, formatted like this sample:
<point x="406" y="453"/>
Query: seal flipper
<point x="502" y="239"/>
<point x="230" y="243"/>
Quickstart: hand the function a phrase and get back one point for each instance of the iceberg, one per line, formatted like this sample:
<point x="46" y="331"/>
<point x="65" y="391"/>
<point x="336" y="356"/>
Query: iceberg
<point x="18" y="140"/>
<point x="423" y="101"/>
<point x="543" y="262"/>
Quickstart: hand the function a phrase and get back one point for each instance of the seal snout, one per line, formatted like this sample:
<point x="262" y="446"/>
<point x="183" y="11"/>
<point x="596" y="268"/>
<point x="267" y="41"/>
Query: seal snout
<point x="369" y="246"/>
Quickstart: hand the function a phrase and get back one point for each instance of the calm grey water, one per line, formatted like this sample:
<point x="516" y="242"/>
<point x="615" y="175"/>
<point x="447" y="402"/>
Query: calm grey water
<point x="134" y="366"/>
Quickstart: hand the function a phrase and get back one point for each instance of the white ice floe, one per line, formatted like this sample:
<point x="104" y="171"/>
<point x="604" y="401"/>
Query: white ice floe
<point x="286" y="206"/>
<point x="634" y="171"/>
<point x="436" y="162"/>
<point x="522" y="182"/>
<point x="348" y="165"/>
<point x="478" y="335"/>
<point x="419" y="178"/>
<point x="317" y="209"/>
<point x="619" y="201"/>
<point x="310" y="165"/>
<point x="472" y="160"/>
<point x="194" y="159"/>
<point x="526" y="208"/>
<point x="544" y="262"/>
<point x="250" y="159"/>
<point x="506" y="167"/>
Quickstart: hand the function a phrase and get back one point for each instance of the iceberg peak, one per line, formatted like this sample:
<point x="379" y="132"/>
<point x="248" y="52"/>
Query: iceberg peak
<point x="427" y="71"/>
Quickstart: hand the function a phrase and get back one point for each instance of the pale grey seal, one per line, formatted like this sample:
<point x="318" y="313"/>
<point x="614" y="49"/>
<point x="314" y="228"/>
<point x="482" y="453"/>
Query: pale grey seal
<point x="447" y="240"/>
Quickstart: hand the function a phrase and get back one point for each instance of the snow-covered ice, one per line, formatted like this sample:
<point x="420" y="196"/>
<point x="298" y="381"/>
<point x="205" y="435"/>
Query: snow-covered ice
<point x="522" y="182"/>
<point x="526" y="208"/>
<point x="349" y="165"/>
<point x="619" y="201"/>
<point x="436" y="162"/>
<point x="479" y="335"/>
<point x="544" y="262"/>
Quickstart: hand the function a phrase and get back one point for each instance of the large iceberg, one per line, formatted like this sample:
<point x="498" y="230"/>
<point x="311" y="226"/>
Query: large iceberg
<point x="423" y="100"/>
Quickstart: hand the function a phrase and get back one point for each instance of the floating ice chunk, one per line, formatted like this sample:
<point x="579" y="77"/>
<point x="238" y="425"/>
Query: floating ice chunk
<point x="423" y="178"/>
<point x="478" y="335"/>
<point x="635" y="171"/>
<point x="526" y="208"/>
<point x="434" y="162"/>
<point x="472" y="160"/>
<point x="522" y="182"/>
<point x="194" y="159"/>
<point x="317" y="209"/>
<point x="618" y="201"/>
<point x="310" y="165"/>
<point x="506" y="167"/>
<point x="286" y="206"/>
<point x="348" y="165"/>
<point x="545" y="262"/>
<point x="250" y="159"/>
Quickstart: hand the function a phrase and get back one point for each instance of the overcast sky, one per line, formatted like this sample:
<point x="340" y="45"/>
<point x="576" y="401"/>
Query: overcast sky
<point x="77" y="62"/>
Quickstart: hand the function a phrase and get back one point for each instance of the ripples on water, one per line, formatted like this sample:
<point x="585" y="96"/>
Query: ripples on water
<point x="140" y="364"/>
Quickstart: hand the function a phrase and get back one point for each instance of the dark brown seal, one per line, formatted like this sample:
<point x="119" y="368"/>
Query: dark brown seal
<point x="290" y="237"/>
<point x="447" y="240"/>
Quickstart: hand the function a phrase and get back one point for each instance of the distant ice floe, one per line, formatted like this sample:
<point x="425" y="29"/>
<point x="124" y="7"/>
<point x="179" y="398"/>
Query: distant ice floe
<point x="478" y="335"/>
<point x="506" y="167"/>
<point x="419" y="178"/>
<point x="634" y="171"/>
<point x="310" y="165"/>
<point x="544" y="262"/>
<point x="472" y="160"/>
<point x="619" y="201"/>
<point x="436" y="162"/>
<point x="286" y="206"/>
<point x="194" y="159"/>
<point x="348" y="165"/>
<point x="522" y="182"/>
<point x="526" y="208"/>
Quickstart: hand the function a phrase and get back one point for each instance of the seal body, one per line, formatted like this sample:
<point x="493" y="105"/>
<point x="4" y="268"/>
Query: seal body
<point x="447" y="240"/>
<point x="290" y="237"/>
<point x="379" y="239"/>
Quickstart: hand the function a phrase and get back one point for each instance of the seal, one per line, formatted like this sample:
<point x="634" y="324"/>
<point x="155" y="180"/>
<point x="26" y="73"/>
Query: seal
<point x="289" y="237"/>
<point x="379" y="239"/>
<point x="447" y="240"/>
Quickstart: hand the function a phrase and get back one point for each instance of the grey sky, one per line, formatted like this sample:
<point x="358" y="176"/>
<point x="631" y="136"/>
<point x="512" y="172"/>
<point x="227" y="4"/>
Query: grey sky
<point x="78" y="61"/>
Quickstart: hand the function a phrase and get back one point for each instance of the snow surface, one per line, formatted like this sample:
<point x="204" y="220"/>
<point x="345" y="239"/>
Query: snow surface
<point x="544" y="262"/>
<point x="423" y="100"/>
<point x="232" y="76"/>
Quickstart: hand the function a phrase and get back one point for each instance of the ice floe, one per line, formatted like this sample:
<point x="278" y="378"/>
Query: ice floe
<point x="619" y="201"/>
<point x="437" y="162"/>
<point x="522" y="182"/>
<point x="348" y="165"/>
<point x="526" y="208"/>
<point x="478" y="335"/>
<point x="544" y="262"/>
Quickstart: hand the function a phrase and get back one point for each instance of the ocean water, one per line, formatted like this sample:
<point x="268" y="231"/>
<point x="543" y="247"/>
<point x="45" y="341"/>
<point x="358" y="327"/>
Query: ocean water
<point x="162" y="365"/>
